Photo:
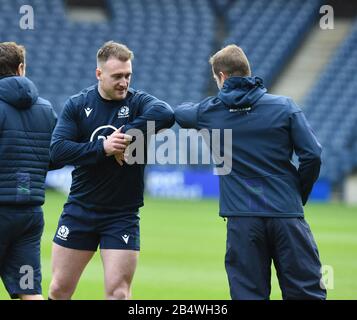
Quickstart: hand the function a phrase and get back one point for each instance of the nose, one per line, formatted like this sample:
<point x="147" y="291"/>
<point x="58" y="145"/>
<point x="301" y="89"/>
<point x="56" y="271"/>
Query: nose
<point x="123" y="83"/>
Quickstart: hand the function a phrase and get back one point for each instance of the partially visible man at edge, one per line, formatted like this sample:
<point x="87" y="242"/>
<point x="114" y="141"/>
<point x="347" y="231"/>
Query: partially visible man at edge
<point x="26" y="125"/>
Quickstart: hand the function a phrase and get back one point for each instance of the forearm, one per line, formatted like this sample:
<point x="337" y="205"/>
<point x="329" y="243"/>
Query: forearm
<point x="186" y="115"/>
<point x="66" y="152"/>
<point x="308" y="150"/>
<point x="160" y="116"/>
<point x="308" y="173"/>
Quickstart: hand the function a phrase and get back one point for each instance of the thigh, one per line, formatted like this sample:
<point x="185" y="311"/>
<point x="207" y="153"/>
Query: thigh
<point x="10" y="226"/>
<point x="68" y="265"/>
<point x="248" y="259"/>
<point x="296" y="259"/>
<point x="119" y="269"/>
<point x="21" y="270"/>
<point x="4" y="239"/>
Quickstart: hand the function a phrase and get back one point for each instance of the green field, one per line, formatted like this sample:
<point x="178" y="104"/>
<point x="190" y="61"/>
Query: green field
<point x="183" y="246"/>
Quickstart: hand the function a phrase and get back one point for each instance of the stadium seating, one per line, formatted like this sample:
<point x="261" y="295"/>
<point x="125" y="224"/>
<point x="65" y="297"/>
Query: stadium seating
<point x="270" y="31"/>
<point x="172" y="41"/>
<point x="331" y="108"/>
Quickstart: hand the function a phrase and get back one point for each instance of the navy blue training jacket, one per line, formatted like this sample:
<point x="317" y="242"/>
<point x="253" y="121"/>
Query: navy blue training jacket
<point x="98" y="182"/>
<point x="266" y="130"/>
<point x="26" y="125"/>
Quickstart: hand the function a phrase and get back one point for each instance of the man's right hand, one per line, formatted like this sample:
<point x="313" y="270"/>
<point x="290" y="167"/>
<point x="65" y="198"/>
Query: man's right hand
<point x="116" y="143"/>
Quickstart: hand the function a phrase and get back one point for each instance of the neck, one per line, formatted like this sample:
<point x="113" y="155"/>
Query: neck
<point x="102" y="93"/>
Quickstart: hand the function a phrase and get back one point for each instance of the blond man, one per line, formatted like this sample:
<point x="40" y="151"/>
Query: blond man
<point x="102" y="209"/>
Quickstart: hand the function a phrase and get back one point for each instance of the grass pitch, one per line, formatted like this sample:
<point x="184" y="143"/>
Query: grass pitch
<point x="183" y="247"/>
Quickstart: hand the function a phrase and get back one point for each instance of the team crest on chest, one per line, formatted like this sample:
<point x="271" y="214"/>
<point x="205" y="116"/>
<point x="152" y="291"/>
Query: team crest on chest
<point x="123" y="112"/>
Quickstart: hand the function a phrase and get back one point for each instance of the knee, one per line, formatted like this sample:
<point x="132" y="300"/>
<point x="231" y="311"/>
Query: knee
<point x="59" y="291"/>
<point x="120" y="293"/>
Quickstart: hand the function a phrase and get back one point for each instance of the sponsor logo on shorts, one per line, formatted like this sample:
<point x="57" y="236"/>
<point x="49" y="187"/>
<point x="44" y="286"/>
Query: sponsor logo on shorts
<point x="62" y="233"/>
<point x="125" y="237"/>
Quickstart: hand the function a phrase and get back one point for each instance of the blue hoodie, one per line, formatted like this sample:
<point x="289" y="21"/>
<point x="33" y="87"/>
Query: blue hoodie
<point x="266" y="130"/>
<point x="26" y="125"/>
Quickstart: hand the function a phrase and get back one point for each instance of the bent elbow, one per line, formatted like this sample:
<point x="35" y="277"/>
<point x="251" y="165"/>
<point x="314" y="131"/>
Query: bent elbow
<point x="54" y="152"/>
<point x="316" y="157"/>
<point x="179" y="118"/>
<point x="169" y="117"/>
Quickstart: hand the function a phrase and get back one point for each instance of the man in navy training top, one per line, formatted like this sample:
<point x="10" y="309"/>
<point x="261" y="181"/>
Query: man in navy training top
<point x="106" y="193"/>
<point x="264" y="194"/>
<point x="26" y="125"/>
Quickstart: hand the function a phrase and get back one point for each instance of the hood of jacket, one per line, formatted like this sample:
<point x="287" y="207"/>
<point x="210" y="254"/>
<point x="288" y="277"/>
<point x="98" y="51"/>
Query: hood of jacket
<point x="241" y="92"/>
<point x="20" y="92"/>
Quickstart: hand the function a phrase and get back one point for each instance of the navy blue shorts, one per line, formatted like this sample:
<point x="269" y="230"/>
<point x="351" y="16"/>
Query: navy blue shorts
<point x="83" y="229"/>
<point x="253" y="243"/>
<point x="20" y="264"/>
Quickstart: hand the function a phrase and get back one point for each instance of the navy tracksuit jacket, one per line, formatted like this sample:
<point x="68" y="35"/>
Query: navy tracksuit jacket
<point x="266" y="130"/>
<point x="26" y="125"/>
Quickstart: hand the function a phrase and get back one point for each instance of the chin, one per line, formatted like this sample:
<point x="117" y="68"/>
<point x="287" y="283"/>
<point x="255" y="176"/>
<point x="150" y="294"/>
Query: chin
<point x="120" y="96"/>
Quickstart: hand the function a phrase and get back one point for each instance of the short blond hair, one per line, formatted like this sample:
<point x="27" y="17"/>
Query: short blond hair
<point x="11" y="56"/>
<point x="232" y="61"/>
<point x="115" y="50"/>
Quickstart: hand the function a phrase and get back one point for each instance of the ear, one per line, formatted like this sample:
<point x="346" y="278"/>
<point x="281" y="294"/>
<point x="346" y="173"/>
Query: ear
<point x="21" y="70"/>
<point x="223" y="77"/>
<point x="98" y="73"/>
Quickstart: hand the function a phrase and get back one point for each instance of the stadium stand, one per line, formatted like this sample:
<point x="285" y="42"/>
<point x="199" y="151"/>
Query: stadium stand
<point x="270" y="31"/>
<point x="169" y="63"/>
<point x="331" y="108"/>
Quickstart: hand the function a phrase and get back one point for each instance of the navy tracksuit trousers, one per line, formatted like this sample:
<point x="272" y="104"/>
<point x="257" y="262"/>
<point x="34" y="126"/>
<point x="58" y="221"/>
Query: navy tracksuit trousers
<point x="254" y="242"/>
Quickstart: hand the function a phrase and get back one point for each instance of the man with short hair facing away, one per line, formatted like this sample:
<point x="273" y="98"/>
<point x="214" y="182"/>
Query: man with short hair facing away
<point x="106" y="193"/>
<point x="26" y="125"/>
<point x="263" y="195"/>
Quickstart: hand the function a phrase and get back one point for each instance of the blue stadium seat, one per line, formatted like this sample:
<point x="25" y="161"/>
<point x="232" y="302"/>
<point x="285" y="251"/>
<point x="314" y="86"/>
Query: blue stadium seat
<point x="163" y="35"/>
<point x="270" y="31"/>
<point x="331" y="108"/>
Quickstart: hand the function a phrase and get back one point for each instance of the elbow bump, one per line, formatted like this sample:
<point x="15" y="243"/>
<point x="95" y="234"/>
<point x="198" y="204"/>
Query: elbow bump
<point x="170" y="116"/>
<point x="172" y="119"/>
